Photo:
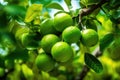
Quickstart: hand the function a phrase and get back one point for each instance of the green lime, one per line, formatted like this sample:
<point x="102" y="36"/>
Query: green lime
<point x="48" y="41"/>
<point x="62" y="52"/>
<point x="71" y="34"/>
<point x="44" y="62"/>
<point x="29" y="41"/>
<point x="89" y="37"/>
<point x="47" y="27"/>
<point x="62" y="20"/>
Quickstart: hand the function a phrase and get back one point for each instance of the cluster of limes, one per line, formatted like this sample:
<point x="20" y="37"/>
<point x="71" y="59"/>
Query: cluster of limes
<point x="56" y="37"/>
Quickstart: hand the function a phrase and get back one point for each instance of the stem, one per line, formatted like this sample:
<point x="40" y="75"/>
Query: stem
<point x="97" y="52"/>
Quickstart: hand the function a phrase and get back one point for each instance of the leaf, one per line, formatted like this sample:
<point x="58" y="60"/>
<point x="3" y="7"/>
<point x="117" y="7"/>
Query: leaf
<point x="44" y="2"/>
<point x="45" y="75"/>
<point x="55" y="6"/>
<point x="68" y="2"/>
<point x="93" y="62"/>
<point x="116" y="14"/>
<point x="21" y="54"/>
<point x="114" y="3"/>
<point x="28" y="73"/>
<point x="89" y="2"/>
<point x="32" y="12"/>
<point x="15" y="10"/>
<point x="105" y="41"/>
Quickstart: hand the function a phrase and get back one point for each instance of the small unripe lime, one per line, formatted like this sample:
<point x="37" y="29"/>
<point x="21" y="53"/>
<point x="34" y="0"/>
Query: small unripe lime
<point x="89" y="37"/>
<point x="44" y="62"/>
<point x="47" y="27"/>
<point x="48" y="41"/>
<point x="71" y="34"/>
<point x="62" y="20"/>
<point x="62" y="52"/>
<point x="28" y="40"/>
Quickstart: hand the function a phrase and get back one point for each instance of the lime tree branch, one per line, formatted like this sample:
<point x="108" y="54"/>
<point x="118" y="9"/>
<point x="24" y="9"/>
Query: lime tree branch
<point x="86" y="11"/>
<point x="97" y="52"/>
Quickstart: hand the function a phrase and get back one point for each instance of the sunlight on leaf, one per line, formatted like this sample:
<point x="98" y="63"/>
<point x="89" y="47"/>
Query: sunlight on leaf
<point x="28" y="73"/>
<point x="32" y="12"/>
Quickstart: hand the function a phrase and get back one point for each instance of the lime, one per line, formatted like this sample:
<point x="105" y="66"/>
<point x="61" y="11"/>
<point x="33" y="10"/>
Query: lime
<point x="62" y="52"/>
<point x="62" y="20"/>
<point x="89" y="37"/>
<point x="48" y="41"/>
<point x="29" y="41"/>
<point x="44" y="62"/>
<point x="47" y="27"/>
<point x="71" y="34"/>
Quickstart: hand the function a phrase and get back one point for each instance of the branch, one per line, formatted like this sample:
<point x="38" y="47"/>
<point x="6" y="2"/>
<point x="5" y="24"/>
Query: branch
<point x="86" y="11"/>
<point x="97" y="52"/>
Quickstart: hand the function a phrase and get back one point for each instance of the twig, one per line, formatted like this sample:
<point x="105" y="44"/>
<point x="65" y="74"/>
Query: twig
<point x="86" y="11"/>
<point x="97" y="51"/>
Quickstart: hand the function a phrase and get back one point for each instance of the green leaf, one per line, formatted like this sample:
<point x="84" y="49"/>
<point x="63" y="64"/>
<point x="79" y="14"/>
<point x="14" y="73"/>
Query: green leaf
<point x="15" y="10"/>
<point x="68" y="2"/>
<point x="55" y="6"/>
<point x="93" y="62"/>
<point x="89" y="2"/>
<point x="114" y="3"/>
<point x="105" y="41"/>
<point x="115" y="14"/>
<point x="28" y="73"/>
<point x="18" y="54"/>
<point x="44" y="2"/>
<point x="32" y="12"/>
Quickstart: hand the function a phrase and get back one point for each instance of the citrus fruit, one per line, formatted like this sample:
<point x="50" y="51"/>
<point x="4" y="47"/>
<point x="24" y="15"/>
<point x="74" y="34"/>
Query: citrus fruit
<point x="89" y="37"/>
<point x="44" y="62"/>
<point x="47" y="27"/>
<point x="71" y="34"/>
<point x="28" y="40"/>
<point x="62" y="20"/>
<point x="61" y="52"/>
<point x="48" y="41"/>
